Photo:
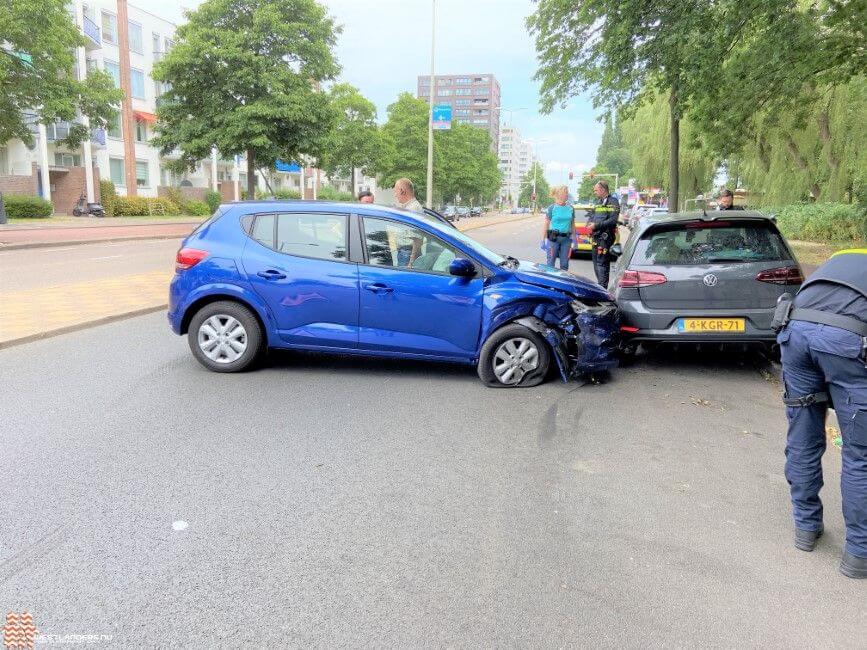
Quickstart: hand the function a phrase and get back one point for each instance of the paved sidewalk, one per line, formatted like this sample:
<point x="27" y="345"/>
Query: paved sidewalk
<point x="27" y="236"/>
<point x="38" y="313"/>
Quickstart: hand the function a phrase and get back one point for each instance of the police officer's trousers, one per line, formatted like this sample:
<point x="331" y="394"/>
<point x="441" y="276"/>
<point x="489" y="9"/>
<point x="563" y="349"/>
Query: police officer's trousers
<point x="601" y="258"/>
<point x="817" y="359"/>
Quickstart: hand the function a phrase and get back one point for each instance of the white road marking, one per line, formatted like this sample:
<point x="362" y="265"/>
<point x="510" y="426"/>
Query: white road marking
<point x="106" y="257"/>
<point x="180" y="525"/>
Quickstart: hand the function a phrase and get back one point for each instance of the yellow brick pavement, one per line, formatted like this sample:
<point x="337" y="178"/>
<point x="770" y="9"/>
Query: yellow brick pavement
<point x="34" y="313"/>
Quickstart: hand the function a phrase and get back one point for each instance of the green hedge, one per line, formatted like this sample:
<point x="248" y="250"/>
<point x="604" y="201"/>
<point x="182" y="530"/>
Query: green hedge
<point x="107" y="196"/>
<point x="21" y="206"/>
<point x="213" y="199"/>
<point x="328" y="193"/>
<point x="196" y="208"/>
<point x="137" y="206"/>
<point x="841" y="223"/>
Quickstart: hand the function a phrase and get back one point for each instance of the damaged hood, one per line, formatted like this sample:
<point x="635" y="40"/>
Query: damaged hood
<point x="551" y="278"/>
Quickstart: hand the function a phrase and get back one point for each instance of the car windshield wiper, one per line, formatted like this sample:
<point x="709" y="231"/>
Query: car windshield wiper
<point x="728" y="259"/>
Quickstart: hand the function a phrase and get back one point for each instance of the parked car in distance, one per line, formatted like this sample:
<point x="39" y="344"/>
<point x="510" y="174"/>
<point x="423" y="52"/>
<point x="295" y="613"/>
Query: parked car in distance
<point x="369" y="280"/>
<point x="450" y="212"/>
<point x="703" y="277"/>
<point x="645" y="211"/>
<point x="476" y="211"/>
<point x="463" y="211"/>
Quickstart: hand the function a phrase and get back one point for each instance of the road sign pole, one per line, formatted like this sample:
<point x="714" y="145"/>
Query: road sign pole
<point x="429" y="193"/>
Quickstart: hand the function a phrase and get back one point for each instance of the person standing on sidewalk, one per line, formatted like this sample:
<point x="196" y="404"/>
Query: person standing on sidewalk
<point x="603" y="230"/>
<point x="559" y="227"/>
<point x="823" y="342"/>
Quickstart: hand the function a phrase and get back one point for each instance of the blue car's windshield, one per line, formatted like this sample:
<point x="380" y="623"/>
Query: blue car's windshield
<point x="472" y="244"/>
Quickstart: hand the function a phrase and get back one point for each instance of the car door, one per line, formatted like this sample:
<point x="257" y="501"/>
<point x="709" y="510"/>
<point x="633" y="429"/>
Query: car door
<point x="409" y="301"/>
<point x="298" y="263"/>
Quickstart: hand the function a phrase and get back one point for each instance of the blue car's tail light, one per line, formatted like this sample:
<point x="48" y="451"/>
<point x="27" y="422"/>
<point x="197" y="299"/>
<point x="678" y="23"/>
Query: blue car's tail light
<point x="188" y="258"/>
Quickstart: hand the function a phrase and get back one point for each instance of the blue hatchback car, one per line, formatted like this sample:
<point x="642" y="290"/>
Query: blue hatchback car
<point x="371" y="280"/>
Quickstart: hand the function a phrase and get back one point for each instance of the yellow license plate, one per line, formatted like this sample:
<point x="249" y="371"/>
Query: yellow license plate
<point x="710" y="325"/>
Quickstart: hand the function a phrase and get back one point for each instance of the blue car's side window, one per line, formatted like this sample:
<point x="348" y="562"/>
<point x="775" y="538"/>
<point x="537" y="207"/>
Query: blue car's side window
<point x="398" y="245"/>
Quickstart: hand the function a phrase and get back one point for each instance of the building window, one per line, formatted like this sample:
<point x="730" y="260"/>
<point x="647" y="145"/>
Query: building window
<point x="135" y="38"/>
<point x="137" y="83"/>
<point x="480" y="121"/>
<point x="463" y="91"/>
<point x="109" y="28"/>
<point x="91" y="64"/>
<point x="424" y="81"/>
<point x="141" y="132"/>
<point x="156" y="46"/>
<point x="114" y="128"/>
<point x="113" y="69"/>
<point x="480" y="101"/>
<point x="462" y="102"/>
<point x="66" y="160"/>
<point x="480" y="112"/>
<point x="444" y="93"/>
<point x="444" y="82"/>
<point x="115" y="167"/>
<point x="462" y="111"/>
<point x="462" y="80"/>
<point x="142" y="178"/>
<point x="169" y="45"/>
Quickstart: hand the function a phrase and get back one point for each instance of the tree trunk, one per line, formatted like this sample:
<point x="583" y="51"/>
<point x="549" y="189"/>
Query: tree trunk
<point x="764" y="153"/>
<point x="795" y="153"/>
<point x="251" y="175"/>
<point x="825" y="133"/>
<point x="674" y="156"/>
<point x="353" y="188"/>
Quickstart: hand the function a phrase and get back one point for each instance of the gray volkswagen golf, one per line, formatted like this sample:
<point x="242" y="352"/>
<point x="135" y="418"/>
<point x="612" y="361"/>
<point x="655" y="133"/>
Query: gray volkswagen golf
<point x="697" y="277"/>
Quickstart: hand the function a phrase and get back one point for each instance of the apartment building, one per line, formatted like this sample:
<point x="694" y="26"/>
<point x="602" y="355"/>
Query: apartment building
<point x="474" y="98"/>
<point x="126" y="41"/>
<point x="516" y="158"/>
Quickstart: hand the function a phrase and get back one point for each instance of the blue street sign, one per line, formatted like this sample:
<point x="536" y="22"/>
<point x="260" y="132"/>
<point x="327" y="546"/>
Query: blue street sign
<point x="287" y="167"/>
<point x="441" y="117"/>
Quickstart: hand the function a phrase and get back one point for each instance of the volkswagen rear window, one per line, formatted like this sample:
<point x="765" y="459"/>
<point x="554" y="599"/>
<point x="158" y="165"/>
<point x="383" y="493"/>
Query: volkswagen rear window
<point x="712" y="242"/>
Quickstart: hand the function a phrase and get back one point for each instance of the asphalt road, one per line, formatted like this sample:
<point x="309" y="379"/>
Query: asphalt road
<point x="345" y="502"/>
<point x="43" y="267"/>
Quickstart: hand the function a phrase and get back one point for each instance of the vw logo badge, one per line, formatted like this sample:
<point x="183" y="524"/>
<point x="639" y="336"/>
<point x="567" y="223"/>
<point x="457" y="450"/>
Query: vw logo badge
<point x="710" y="280"/>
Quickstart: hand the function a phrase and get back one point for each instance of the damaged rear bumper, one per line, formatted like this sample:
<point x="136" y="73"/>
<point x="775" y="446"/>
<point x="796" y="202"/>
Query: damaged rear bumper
<point x="584" y="338"/>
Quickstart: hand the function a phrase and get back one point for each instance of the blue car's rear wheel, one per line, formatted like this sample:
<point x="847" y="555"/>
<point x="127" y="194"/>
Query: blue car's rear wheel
<point x="225" y="336"/>
<point x="514" y="356"/>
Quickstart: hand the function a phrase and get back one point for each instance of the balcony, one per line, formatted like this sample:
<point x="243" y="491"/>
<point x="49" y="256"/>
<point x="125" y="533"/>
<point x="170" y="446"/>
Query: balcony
<point x="91" y="30"/>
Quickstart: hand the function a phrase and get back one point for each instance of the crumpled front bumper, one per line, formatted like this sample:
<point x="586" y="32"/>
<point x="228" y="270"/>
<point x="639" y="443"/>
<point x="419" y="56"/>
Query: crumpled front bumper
<point x="584" y="338"/>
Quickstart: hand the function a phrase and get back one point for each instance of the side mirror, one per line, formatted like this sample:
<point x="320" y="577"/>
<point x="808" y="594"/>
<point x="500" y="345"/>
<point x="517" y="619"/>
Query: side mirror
<point x="616" y="250"/>
<point x="462" y="268"/>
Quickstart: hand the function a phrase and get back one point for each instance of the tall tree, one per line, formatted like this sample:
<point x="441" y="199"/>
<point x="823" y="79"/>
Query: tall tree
<point x="543" y="190"/>
<point x="613" y="156"/>
<point x="353" y="141"/>
<point x="464" y="164"/>
<point x="37" y="58"/>
<point x="621" y="50"/>
<point x="245" y="76"/>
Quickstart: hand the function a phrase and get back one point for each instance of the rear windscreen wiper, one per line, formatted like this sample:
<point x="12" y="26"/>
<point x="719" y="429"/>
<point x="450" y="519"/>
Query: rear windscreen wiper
<point x="728" y="259"/>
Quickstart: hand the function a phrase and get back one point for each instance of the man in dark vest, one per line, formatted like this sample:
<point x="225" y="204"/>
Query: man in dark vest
<point x="602" y="222"/>
<point x="824" y="353"/>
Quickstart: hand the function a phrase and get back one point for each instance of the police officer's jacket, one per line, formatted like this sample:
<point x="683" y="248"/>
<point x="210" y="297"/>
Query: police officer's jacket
<point x="836" y="293"/>
<point x="603" y="216"/>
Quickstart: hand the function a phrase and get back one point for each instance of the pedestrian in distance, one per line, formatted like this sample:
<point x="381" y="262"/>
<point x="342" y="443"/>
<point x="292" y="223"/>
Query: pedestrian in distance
<point x="823" y="342"/>
<point x="558" y="228"/>
<point x="365" y="196"/>
<point x="602" y="222"/>
<point x="404" y="196"/>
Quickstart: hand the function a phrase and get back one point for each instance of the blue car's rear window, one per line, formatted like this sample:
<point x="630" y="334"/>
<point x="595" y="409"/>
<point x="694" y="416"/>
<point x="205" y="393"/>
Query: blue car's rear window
<point x="708" y="243"/>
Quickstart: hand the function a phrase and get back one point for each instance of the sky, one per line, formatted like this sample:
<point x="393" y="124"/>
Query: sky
<point x="385" y="45"/>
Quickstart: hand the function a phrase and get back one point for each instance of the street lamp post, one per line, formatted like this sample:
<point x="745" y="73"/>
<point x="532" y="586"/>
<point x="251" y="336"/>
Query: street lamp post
<point x="433" y="22"/>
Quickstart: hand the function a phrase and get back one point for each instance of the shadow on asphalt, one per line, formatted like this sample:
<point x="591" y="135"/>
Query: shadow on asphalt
<point x="693" y="357"/>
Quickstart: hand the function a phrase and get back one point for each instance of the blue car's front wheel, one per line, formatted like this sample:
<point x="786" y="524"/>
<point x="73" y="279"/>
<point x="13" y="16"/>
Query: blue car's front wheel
<point x="514" y="356"/>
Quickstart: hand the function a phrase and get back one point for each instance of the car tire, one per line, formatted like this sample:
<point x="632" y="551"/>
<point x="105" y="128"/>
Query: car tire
<point x="216" y="340"/>
<point x="509" y="345"/>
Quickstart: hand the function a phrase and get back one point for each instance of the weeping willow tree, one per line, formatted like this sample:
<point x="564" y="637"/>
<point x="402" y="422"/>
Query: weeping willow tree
<point x="647" y="136"/>
<point x="817" y="151"/>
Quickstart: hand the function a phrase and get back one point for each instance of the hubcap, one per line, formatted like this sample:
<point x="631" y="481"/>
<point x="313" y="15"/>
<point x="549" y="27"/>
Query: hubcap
<point x="514" y="359"/>
<point x="222" y="338"/>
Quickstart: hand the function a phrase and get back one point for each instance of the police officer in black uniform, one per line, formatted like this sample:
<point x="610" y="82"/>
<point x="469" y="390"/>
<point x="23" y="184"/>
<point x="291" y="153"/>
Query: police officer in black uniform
<point x="602" y="219"/>
<point x="824" y="353"/>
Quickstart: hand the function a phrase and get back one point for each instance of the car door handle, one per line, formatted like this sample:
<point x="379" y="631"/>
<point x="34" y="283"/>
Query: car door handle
<point x="378" y="287"/>
<point x="271" y="274"/>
